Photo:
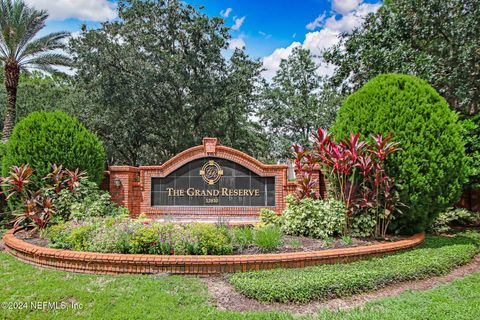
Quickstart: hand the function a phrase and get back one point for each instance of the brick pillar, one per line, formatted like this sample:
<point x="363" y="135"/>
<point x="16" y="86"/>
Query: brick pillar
<point x="123" y="185"/>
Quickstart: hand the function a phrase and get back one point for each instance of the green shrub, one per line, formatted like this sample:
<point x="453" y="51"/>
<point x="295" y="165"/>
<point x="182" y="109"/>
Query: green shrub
<point x="313" y="218"/>
<point x="210" y="239"/>
<point x="459" y="216"/>
<point x="57" y="235"/>
<point x="268" y="216"/>
<point x="79" y="237"/>
<point x="86" y="201"/>
<point x="144" y="239"/>
<point x="363" y="223"/>
<point x="436" y="256"/>
<point x="431" y="168"/>
<point x="241" y="237"/>
<point x="44" y="138"/>
<point x="267" y="237"/>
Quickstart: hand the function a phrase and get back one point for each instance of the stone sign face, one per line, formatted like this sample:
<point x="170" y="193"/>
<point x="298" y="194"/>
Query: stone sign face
<point x="213" y="182"/>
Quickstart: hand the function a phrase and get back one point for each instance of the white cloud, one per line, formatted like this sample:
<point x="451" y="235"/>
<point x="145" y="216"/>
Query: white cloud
<point x="272" y="62"/>
<point x="225" y="13"/>
<point x="317" y="23"/>
<point x="351" y="20"/>
<point x="91" y="10"/>
<point x="345" y="6"/>
<point x="236" y="43"/>
<point x="238" y="23"/>
<point x="318" y="41"/>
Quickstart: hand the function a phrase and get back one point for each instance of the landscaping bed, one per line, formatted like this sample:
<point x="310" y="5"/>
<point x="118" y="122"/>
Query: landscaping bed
<point x="124" y="235"/>
<point x="436" y="256"/>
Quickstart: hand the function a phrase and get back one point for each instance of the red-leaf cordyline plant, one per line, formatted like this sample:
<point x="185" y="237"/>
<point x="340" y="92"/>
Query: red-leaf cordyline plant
<point x="35" y="208"/>
<point x="356" y="172"/>
<point x="57" y="178"/>
<point x="74" y="178"/>
<point x="17" y="181"/>
<point x="37" y="212"/>
<point x="61" y="178"/>
<point x="304" y="165"/>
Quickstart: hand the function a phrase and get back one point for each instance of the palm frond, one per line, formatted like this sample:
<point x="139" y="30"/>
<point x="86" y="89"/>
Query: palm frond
<point x="46" y="43"/>
<point x="48" y="59"/>
<point x="18" y="25"/>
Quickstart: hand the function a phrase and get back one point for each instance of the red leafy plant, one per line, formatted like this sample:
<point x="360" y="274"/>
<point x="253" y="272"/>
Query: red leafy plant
<point x="32" y="206"/>
<point x="356" y="172"/>
<point x="304" y="166"/>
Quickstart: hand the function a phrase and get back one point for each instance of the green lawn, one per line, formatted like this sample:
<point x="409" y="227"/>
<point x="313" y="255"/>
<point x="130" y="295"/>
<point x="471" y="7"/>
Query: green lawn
<point x="178" y="297"/>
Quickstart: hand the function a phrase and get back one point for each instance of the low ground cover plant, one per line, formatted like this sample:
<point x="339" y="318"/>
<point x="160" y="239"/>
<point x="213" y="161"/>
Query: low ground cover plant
<point x="143" y="236"/>
<point x="436" y="256"/>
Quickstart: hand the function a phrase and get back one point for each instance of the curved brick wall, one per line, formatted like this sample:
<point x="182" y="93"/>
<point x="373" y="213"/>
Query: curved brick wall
<point x="89" y="262"/>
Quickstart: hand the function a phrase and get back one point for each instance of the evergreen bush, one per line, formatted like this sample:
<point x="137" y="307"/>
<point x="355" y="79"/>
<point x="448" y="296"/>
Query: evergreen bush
<point x="44" y="138"/>
<point x="431" y="169"/>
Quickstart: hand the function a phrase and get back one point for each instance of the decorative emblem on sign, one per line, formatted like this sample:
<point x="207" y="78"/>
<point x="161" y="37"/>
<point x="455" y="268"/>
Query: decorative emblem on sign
<point x="211" y="172"/>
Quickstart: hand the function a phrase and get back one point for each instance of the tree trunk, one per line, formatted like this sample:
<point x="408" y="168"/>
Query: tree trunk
<point x="12" y="74"/>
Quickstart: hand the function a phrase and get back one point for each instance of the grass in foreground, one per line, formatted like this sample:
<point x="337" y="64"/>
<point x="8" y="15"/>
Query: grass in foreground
<point x="458" y="300"/>
<point x="436" y="256"/>
<point x="178" y="297"/>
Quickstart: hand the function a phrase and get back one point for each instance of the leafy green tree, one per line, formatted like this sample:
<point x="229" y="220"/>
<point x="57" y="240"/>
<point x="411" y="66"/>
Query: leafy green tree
<point x="242" y="90"/>
<point x="437" y="40"/>
<point x="39" y="92"/>
<point x="155" y="82"/>
<point x="20" y="50"/>
<point x="297" y="103"/>
<point x="431" y="167"/>
<point x="472" y="148"/>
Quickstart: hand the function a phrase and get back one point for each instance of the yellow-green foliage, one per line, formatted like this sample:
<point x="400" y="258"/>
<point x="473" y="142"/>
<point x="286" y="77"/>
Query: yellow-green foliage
<point x="431" y="168"/>
<point x="44" y="138"/>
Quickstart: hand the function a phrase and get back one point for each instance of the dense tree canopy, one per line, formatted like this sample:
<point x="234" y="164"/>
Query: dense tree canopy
<point x="437" y="40"/>
<point x="39" y="92"/>
<point x="297" y="103"/>
<point x="155" y="82"/>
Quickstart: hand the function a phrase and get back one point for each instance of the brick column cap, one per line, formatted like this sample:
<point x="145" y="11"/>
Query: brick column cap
<point x="210" y="145"/>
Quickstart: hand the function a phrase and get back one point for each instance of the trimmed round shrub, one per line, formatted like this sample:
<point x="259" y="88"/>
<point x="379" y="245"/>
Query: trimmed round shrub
<point x="430" y="170"/>
<point x="44" y="138"/>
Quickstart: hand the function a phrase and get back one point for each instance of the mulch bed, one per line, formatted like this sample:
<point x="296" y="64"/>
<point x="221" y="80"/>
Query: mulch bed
<point x="305" y="244"/>
<point x="224" y="296"/>
<point x="32" y="237"/>
<point x="289" y="243"/>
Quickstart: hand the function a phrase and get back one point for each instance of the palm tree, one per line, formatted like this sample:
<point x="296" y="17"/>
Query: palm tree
<point x="20" y="52"/>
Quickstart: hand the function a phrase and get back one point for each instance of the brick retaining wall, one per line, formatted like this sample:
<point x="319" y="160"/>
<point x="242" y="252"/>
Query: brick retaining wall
<point x="103" y="263"/>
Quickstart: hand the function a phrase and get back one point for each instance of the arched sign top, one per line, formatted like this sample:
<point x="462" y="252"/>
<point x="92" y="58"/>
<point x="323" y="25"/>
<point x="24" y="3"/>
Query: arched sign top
<point x="211" y="148"/>
<point x="210" y="182"/>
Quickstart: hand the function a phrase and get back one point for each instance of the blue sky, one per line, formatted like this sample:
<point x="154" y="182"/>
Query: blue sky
<point x="267" y="29"/>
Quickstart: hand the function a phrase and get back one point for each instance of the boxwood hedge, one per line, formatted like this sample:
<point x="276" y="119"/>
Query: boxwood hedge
<point x="436" y="256"/>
